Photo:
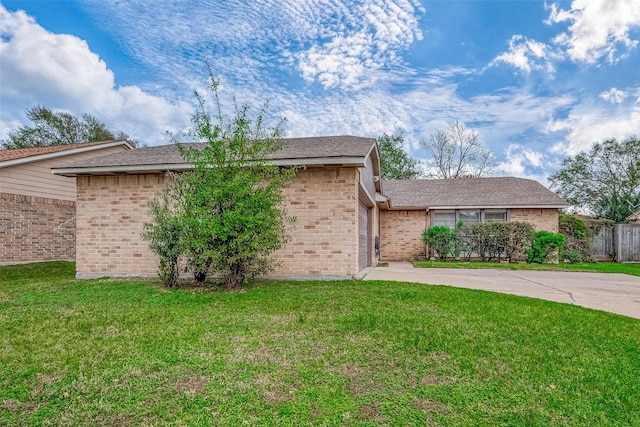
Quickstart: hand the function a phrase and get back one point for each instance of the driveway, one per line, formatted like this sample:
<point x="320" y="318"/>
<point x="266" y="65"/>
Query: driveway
<point x="616" y="293"/>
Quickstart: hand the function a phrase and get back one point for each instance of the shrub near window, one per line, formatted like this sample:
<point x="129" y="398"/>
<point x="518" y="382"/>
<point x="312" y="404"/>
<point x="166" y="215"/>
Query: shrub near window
<point x="493" y="241"/>
<point x="442" y="240"/>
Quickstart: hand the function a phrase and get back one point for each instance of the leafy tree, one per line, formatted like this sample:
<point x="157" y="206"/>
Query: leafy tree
<point x="164" y="233"/>
<point x="458" y="152"/>
<point x="605" y="180"/>
<point x="58" y="128"/>
<point x="395" y="163"/>
<point x="231" y="214"/>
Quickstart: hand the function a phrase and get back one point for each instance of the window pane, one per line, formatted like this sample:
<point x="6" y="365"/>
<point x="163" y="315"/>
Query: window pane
<point x="445" y="218"/>
<point x="469" y="216"/>
<point x="495" y="216"/>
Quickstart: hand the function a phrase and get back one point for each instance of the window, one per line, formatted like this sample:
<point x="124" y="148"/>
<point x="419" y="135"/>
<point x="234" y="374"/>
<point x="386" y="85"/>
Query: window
<point x="468" y="217"/>
<point x="445" y="218"/>
<point x="495" y="216"/>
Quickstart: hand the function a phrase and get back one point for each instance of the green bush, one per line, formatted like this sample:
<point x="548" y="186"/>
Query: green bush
<point x="578" y="239"/>
<point x="442" y="240"/>
<point x="544" y="245"/>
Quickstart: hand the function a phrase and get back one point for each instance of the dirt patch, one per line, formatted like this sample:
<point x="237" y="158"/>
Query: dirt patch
<point x="20" y="407"/>
<point x="272" y="390"/>
<point x="42" y="383"/>
<point x="370" y="411"/>
<point x="192" y="384"/>
<point x="432" y="406"/>
<point x="429" y="380"/>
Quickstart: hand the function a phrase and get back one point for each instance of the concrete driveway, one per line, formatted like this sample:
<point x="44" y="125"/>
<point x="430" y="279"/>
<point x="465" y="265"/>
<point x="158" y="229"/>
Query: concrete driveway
<point x="616" y="293"/>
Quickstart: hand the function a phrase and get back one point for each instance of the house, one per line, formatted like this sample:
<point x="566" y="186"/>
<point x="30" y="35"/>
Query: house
<point x="37" y="209"/>
<point x="414" y="205"/>
<point x="333" y="199"/>
<point x="342" y="207"/>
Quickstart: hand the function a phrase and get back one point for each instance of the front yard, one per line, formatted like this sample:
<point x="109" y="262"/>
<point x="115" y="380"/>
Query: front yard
<point x="123" y="353"/>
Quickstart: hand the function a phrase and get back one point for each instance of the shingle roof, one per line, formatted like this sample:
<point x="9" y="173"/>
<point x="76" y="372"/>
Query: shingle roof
<point x="22" y="153"/>
<point x="469" y="192"/>
<point x="323" y="147"/>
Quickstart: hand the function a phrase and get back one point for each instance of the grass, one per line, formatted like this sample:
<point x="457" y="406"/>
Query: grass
<point x="601" y="267"/>
<point x="352" y="353"/>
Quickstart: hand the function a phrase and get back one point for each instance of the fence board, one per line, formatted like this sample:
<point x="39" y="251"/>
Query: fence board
<point x="602" y="247"/>
<point x="627" y="242"/>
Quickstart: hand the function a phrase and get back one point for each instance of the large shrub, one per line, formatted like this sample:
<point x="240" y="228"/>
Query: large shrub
<point x="442" y="240"/>
<point x="493" y="241"/>
<point x="227" y="215"/>
<point x="545" y="244"/>
<point x="164" y="232"/>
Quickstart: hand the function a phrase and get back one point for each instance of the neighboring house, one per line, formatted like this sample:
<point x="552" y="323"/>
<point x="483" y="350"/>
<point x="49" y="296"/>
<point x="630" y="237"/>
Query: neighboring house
<point x="37" y="209"/>
<point x="342" y="208"/>
<point x="414" y="205"/>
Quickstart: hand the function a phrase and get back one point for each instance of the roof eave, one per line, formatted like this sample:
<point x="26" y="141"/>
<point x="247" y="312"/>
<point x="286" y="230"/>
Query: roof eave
<point x="71" y="151"/>
<point x="180" y="167"/>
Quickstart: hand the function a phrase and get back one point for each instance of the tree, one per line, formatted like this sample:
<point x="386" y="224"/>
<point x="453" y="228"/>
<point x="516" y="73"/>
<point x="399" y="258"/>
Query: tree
<point x="165" y="231"/>
<point x="230" y="207"/>
<point x="458" y="152"/>
<point x="58" y="128"/>
<point x="604" y="181"/>
<point x="395" y="163"/>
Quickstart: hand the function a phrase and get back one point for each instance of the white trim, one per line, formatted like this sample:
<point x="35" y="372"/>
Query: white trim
<point x="62" y="153"/>
<point x="163" y="167"/>
<point x="415" y="208"/>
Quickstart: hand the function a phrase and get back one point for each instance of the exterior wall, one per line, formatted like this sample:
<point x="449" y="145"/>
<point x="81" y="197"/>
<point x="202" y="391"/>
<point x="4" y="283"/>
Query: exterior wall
<point x="541" y="219"/>
<point x="111" y="214"/>
<point x="401" y="234"/>
<point x="36" y="229"/>
<point x="35" y="178"/>
<point x="325" y="239"/>
<point x="113" y="209"/>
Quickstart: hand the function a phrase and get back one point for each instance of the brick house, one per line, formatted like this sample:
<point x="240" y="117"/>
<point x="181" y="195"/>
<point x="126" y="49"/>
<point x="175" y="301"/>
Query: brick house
<point x="341" y="205"/>
<point x="37" y="209"/>
<point x="414" y="205"/>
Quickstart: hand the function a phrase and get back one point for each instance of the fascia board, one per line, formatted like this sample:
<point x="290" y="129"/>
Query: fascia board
<point x="323" y="161"/>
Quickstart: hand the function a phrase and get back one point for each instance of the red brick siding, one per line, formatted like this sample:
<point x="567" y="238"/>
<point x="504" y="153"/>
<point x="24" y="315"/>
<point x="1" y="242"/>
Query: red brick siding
<point x="36" y="228"/>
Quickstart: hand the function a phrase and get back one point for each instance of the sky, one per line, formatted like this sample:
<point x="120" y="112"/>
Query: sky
<point x="538" y="80"/>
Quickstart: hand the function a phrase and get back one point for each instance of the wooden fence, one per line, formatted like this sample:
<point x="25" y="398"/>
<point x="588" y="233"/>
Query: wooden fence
<point x="620" y="243"/>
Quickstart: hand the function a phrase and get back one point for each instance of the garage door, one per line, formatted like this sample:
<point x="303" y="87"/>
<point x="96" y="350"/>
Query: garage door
<point x="364" y="237"/>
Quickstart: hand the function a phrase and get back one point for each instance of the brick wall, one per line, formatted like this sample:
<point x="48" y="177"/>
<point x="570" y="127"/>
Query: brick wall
<point x="36" y="228"/>
<point x="401" y="234"/>
<point x="111" y="214"/>
<point x="325" y="239"/>
<point x="541" y="219"/>
<point x="113" y="209"/>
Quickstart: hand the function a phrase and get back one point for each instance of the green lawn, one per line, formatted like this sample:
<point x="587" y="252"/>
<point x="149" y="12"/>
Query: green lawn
<point x="602" y="267"/>
<point x="124" y="353"/>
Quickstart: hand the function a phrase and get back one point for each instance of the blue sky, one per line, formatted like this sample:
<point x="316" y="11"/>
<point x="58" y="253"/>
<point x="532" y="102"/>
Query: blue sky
<point x="538" y="80"/>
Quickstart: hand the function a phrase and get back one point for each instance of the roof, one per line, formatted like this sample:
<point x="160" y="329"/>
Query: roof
<point x="26" y="155"/>
<point x="499" y="192"/>
<point x="321" y="150"/>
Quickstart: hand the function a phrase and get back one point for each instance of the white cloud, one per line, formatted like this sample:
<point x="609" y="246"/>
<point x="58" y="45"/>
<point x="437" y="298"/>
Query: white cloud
<point x="586" y="125"/>
<point x="518" y="160"/>
<point x="527" y="55"/>
<point x="599" y="28"/>
<point x="376" y="31"/>
<point x="613" y="95"/>
<point x="61" y="72"/>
